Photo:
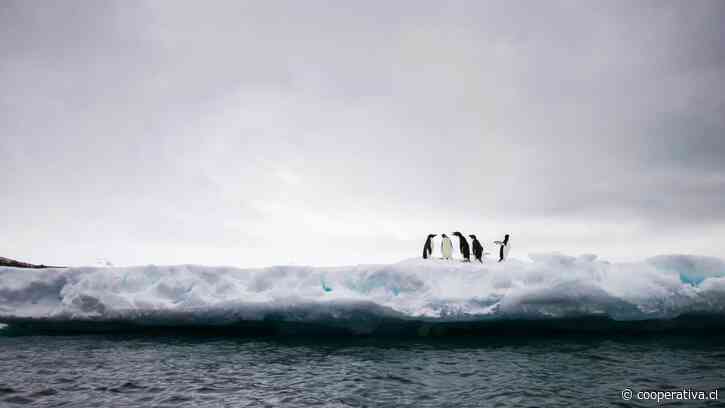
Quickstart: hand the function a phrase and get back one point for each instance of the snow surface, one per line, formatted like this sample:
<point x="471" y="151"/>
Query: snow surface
<point x="547" y="286"/>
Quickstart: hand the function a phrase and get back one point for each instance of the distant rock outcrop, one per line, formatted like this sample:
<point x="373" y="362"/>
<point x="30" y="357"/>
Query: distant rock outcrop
<point x="18" y="264"/>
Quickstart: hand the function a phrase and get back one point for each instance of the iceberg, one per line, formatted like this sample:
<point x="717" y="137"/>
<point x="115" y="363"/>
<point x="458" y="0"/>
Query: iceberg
<point x="412" y="296"/>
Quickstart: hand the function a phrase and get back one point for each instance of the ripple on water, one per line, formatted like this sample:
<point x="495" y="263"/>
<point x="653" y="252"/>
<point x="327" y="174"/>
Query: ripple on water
<point x="18" y="399"/>
<point x="6" y="390"/>
<point x="186" y="372"/>
<point x="176" y="399"/>
<point x="127" y="387"/>
<point x="45" y="392"/>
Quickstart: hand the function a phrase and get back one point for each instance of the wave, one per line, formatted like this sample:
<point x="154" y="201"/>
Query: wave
<point x="547" y="292"/>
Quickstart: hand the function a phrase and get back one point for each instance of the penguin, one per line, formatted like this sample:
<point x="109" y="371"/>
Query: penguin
<point x="428" y="248"/>
<point x="503" y="251"/>
<point x="446" y="247"/>
<point x="477" y="248"/>
<point x="463" y="246"/>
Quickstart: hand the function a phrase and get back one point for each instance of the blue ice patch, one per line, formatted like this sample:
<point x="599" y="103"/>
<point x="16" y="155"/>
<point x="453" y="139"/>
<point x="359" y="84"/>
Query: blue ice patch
<point x="325" y="287"/>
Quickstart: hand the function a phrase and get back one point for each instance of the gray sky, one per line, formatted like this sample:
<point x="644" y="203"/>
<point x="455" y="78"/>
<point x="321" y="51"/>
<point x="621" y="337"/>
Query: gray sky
<point x="257" y="133"/>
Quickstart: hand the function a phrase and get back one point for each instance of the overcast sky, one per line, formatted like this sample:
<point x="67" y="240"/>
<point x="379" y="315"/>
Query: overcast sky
<point x="341" y="132"/>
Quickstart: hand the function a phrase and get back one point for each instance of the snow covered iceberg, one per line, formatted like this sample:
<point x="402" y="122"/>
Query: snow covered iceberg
<point x="549" y="291"/>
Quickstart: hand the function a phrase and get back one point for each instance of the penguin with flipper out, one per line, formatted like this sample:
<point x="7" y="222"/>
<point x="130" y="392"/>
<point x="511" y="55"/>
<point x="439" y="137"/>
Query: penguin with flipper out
<point x="428" y="247"/>
<point x="463" y="246"/>
<point x="503" y="251"/>
<point x="477" y="248"/>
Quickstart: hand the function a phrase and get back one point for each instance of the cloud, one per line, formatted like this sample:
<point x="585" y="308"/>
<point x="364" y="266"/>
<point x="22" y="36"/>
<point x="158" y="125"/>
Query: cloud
<point x="358" y="128"/>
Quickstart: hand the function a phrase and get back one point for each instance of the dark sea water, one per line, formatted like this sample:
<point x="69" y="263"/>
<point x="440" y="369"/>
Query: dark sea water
<point x="190" y="371"/>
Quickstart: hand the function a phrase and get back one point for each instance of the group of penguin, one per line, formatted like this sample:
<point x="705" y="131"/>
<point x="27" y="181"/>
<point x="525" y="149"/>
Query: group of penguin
<point x="447" y="247"/>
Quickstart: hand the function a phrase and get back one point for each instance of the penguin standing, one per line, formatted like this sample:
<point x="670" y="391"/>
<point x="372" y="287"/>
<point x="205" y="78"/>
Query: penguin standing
<point x="463" y="246"/>
<point x="428" y="247"/>
<point x="446" y="247"/>
<point x="477" y="248"/>
<point x="503" y="251"/>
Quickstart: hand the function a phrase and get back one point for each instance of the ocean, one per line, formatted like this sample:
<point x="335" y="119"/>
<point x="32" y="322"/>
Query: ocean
<point x="218" y="371"/>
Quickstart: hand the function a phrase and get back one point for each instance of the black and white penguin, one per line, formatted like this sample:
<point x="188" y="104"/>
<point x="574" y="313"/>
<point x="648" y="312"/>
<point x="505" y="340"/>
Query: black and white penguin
<point x="446" y="247"/>
<point x="428" y="247"/>
<point x="503" y="251"/>
<point x="477" y="248"/>
<point x="463" y="246"/>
